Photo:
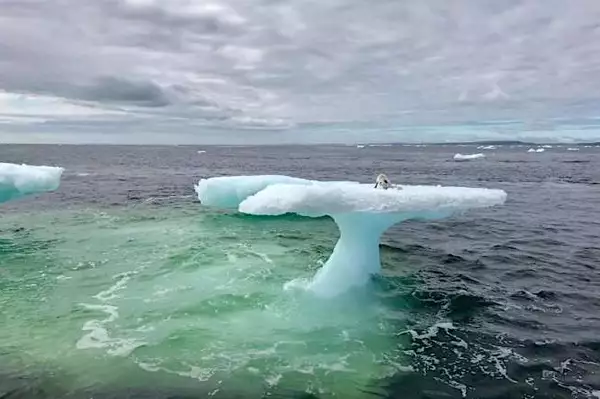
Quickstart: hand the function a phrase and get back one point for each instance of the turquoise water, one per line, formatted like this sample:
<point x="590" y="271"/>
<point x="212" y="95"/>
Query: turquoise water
<point x="121" y="285"/>
<point x="130" y="296"/>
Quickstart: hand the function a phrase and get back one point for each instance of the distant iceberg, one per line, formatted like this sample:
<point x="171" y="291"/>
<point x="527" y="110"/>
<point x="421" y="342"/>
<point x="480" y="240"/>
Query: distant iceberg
<point x="572" y="149"/>
<point x="17" y="181"/>
<point x="361" y="212"/>
<point x="486" y="147"/>
<point x="535" y="150"/>
<point x="468" y="157"/>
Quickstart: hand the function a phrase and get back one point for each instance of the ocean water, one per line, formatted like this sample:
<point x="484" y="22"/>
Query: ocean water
<point x="121" y="285"/>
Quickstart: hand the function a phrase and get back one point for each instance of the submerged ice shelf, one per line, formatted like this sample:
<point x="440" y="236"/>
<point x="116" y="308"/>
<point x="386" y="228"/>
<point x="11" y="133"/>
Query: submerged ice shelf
<point x="361" y="212"/>
<point x="17" y="181"/>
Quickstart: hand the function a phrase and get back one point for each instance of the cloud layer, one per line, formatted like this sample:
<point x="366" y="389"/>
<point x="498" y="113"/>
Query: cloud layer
<point x="192" y="67"/>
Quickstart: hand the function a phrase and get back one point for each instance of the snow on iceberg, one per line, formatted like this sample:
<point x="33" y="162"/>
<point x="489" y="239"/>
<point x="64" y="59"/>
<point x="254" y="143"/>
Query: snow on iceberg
<point x="361" y="212"/>
<point x="468" y="157"/>
<point x="17" y="181"/>
<point x="230" y="191"/>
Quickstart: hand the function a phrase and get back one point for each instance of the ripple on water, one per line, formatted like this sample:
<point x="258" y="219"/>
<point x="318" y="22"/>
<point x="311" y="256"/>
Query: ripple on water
<point x="222" y="316"/>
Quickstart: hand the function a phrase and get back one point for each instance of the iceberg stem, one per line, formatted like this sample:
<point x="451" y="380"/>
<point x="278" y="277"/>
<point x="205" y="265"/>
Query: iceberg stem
<point x="356" y="254"/>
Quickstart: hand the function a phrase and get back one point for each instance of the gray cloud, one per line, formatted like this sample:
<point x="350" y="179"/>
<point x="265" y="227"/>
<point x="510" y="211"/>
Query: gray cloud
<point x="276" y="64"/>
<point x="118" y="90"/>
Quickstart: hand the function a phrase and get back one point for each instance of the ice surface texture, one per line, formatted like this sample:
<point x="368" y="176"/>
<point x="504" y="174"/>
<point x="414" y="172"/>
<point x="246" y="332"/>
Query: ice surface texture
<point x="17" y="181"/>
<point x="361" y="212"/>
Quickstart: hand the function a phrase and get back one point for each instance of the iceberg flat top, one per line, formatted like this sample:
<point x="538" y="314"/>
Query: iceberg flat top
<point x="20" y="180"/>
<point x="230" y="191"/>
<point x="343" y="198"/>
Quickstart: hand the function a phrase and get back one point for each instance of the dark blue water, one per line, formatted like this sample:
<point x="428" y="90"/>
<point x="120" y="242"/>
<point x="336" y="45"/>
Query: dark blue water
<point x="518" y="283"/>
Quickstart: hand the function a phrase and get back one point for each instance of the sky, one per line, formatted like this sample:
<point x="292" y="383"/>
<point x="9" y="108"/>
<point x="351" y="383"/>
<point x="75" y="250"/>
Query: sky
<point x="282" y="71"/>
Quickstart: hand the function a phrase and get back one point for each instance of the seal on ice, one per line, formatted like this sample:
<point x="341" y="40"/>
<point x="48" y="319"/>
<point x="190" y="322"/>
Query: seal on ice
<point x="382" y="181"/>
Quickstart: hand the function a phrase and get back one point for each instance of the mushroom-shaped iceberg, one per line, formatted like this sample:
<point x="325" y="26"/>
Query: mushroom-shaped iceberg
<point x="17" y="181"/>
<point x="361" y="212"/>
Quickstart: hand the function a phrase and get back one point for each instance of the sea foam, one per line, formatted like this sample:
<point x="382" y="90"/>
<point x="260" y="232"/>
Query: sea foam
<point x="361" y="212"/>
<point x="17" y="181"/>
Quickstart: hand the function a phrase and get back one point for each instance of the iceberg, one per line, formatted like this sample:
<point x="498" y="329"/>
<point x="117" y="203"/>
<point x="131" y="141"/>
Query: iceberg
<point x="535" y="150"/>
<point x="361" y="212"/>
<point x="230" y="191"/>
<point x="468" y="157"/>
<point x="486" y="147"/>
<point x="17" y="181"/>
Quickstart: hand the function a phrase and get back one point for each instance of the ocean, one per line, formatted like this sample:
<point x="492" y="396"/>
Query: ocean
<point x="120" y="284"/>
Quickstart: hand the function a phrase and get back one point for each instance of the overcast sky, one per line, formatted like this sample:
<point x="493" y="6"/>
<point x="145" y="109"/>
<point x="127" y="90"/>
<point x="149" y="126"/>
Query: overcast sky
<point x="231" y="71"/>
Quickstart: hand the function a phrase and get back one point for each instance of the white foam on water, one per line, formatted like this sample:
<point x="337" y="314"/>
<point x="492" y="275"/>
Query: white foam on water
<point x="441" y="351"/>
<point x="111" y="292"/>
<point x="194" y="372"/>
<point x="97" y="336"/>
<point x="431" y="331"/>
<point x="273" y="380"/>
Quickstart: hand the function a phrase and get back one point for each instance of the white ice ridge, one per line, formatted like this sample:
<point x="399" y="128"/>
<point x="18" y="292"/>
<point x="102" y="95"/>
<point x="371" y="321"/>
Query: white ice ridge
<point x="230" y="191"/>
<point x="361" y="212"/>
<point x="467" y="157"/>
<point x="17" y="181"/>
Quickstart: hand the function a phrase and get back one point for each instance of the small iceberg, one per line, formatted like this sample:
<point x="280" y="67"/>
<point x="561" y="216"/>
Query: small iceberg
<point x="468" y="157"/>
<point x="200" y="151"/>
<point x="535" y="150"/>
<point x="572" y="149"/>
<point x="18" y="181"/>
<point x="486" y="147"/>
<point x="361" y="212"/>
